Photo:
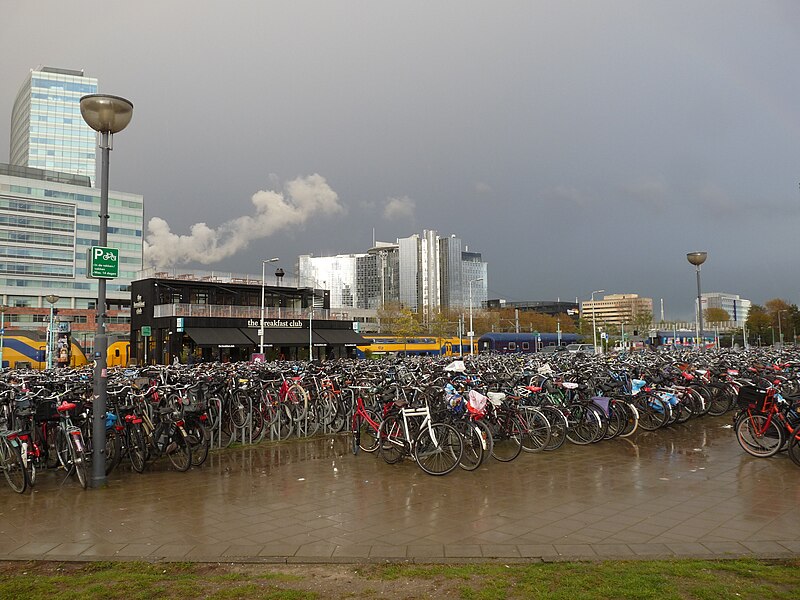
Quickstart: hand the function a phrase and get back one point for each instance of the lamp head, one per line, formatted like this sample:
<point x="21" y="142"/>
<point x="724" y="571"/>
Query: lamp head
<point x="52" y="298"/>
<point x="106" y="114"/>
<point x="697" y="258"/>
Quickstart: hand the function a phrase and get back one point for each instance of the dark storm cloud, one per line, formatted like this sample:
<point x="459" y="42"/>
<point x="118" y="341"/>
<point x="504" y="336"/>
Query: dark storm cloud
<point x="579" y="145"/>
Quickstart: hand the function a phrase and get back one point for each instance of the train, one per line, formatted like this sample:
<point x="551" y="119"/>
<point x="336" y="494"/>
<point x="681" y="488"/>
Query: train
<point x="523" y="343"/>
<point x="382" y="344"/>
<point x="27" y="349"/>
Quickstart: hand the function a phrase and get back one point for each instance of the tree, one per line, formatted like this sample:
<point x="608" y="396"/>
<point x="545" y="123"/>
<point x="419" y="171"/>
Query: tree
<point x="716" y="315"/>
<point x="642" y="321"/>
<point x="407" y="325"/>
<point x="759" y="323"/>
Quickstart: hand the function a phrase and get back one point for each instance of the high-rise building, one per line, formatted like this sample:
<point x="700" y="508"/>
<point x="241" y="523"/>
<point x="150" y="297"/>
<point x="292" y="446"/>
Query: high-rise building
<point x="425" y="273"/>
<point x="47" y="130"/>
<point x="49" y="213"/>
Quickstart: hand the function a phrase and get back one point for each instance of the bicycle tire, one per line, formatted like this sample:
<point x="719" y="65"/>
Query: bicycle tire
<point x="137" y="449"/>
<point x="113" y="449"/>
<point x="507" y="435"/>
<point x="537" y="436"/>
<point x="794" y="450"/>
<point x="297" y="396"/>
<point x="13" y="467"/>
<point x="392" y="445"/>
<point x="199" y="442"/>
<point x="652" y="412"/>
<point x="631" y="419"/>
<point x="181" y="455"/>
<point x="356" y="433"/>
<point x="78" y="455"/>
<point x="583" y="424"/>
<point x="616" y="419"/>
<point x="488" y="438"/>
<point x="473" y="442"/>
<point x="558" y="426"/>
<point x="438" y="448"/>
<point x="759" y="436"/>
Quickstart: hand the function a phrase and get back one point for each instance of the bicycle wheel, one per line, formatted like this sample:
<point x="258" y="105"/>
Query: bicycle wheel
<point x="113" y="449"/>
<point x="392" y="445"/>
<point x="558" y="426"/>
<point x="178" y="450"/>
<point x="758" y="435"/>
<point x="794" y="450"/>
<point x="298" y="398"/>
<point x="631" y="419"/>
<point x="653" y="413"/>
<point x="199" y="443"/>
<point x="137" y="449"/>
<point x="472" y="438"/>
<point x="356" y="433"/>
<point x="507" y="434"/>
<point x="368" y="434"/>
<point x="438" y="449"/>
<point x="720" y="400"/>
<point x="537" y="436"/>
<point x="583" y="424"/>
<point x="78" y="459"/>
<point x="488" y="438"/>
<point x="13" y="467"/>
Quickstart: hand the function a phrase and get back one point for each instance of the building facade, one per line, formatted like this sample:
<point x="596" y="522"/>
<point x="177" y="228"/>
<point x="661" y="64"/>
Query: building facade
<point x="424" y="273"/>
<point x="737" y="308"/>
<point x="47" y="130"/>
<point x="618" y="309"/>
<point x="203" y="317"/>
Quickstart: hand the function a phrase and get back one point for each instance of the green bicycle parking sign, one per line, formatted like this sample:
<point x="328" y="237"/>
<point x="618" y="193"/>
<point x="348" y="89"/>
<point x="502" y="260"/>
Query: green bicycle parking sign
<point x="102" y="263"/>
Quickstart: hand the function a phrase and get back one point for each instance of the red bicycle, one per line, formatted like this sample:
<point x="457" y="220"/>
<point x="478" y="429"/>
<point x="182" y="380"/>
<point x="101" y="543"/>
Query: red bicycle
<point x="365" y="425"/>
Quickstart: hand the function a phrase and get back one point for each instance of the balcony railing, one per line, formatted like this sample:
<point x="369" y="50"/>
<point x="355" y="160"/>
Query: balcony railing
<point x="222" y="311"/>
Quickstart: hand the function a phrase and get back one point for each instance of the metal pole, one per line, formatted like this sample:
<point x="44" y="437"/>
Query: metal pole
<point x="594" y="326"/>
<point x="261" y="332"/>
<point x="100" y="337"/>
<point x="49" y="361"/>
<point x="699" y="312"/>
<point x="471" y="332"/>
<point x="2" y="332"/>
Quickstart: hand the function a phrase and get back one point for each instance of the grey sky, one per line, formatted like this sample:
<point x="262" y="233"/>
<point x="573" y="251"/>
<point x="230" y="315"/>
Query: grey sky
<point x="578" y="145"/>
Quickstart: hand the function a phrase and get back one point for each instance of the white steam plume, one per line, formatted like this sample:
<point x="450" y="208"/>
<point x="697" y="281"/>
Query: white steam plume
<point x="304" y="198"/>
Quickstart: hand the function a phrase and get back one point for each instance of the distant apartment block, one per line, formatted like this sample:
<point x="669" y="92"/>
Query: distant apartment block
<point x="737" y="308"/>
<point x="615" y="309"/>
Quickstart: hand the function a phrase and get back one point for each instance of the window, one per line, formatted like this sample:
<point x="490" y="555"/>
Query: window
<point x="512" y="346"/>
<point x="526" y="345"/>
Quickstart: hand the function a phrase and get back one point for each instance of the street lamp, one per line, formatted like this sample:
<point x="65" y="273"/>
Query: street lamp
<point x="3" y="309"/>
<point x="263" y="274"/>
<point x="697" y="259"/>
<point x="471" y="331"/>
<point x="107" y="115"/>
<point x="52" y="299"/>
<point x="780" y="331"/>
<point x="594" y="320"/>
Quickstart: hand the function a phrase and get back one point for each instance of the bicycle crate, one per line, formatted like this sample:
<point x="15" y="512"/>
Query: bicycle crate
<point x="754" y="399"/>
<point x="46" y="410"/>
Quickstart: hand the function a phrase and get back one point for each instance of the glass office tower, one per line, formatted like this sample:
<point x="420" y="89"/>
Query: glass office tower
<point x="47" y="130"/>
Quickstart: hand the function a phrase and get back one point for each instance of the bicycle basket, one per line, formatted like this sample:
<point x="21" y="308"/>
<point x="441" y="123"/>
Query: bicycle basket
<point x="754" y="399"/>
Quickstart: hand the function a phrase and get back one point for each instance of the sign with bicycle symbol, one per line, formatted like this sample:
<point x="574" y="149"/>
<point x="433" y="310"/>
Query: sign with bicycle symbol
<point x="102" y="263"/>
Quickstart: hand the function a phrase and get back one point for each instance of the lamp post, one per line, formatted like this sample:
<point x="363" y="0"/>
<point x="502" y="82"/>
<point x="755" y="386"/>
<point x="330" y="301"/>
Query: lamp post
<point x="107" y="115"/>
<point x="472" y="331"/>
<point x="594" y="320"/>
<point x="3" y="309"/>
<point x="697" y="259"/>
<point x="780" y="330"/>
<point x="263" y="285"/>
<point x="52" y="299"/>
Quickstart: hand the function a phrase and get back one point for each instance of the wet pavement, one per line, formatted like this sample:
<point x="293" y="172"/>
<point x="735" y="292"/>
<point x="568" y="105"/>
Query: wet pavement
<point x="688" y="491"/>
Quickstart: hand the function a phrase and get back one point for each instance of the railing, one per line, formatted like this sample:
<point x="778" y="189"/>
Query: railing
<point x="222" y="311"/>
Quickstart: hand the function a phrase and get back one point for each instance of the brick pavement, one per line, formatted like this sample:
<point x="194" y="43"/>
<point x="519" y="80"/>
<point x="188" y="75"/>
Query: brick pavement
<point x="684" y="492"/>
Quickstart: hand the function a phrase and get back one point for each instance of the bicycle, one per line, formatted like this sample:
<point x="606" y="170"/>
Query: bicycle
<point x="70" y="446"/>
<point x="365" y="424"/>
<point x="436" y="447"/>
<point x="11" y="462"/>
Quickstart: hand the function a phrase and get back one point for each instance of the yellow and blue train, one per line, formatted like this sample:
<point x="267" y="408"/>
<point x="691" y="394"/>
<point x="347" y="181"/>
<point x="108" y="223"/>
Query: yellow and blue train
<point x="382" y="344"/>
<point x="28" y="349"/>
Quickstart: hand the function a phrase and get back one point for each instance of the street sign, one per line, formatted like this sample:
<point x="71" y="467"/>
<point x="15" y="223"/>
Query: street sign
<point x="102" y="263"/>
<point x="146" y="331"/>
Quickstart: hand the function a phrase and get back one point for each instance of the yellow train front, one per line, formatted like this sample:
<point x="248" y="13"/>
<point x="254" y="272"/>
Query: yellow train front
<point x="27" y="349"/>
<point x="396" y="345"/>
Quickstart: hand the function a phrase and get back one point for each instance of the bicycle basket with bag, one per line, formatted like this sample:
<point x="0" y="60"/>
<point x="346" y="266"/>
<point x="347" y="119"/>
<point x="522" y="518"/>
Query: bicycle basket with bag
<point x="754" y="399"/>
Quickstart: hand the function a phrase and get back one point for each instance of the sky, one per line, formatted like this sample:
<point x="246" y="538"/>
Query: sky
<point x="578" y="145"/>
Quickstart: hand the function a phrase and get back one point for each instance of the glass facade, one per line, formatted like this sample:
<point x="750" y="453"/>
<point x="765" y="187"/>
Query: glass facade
<point x="47" y="130"/>
<point x="46" y="228"/>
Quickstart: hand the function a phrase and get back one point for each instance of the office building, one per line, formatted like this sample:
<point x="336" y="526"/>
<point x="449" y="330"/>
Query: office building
<point x="737" y="308"/>
<point x="47" y="130"/>
<point x="424" y="273"/>
<point x="617" y="309"/>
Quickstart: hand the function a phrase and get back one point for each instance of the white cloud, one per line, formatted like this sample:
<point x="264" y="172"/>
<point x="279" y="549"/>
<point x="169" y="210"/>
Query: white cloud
<point x="399" y="208"/>
<point x="304" y="198"/>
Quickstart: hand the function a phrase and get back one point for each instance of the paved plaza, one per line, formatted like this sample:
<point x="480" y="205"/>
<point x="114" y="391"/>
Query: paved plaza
<point x="687" y="491"/>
